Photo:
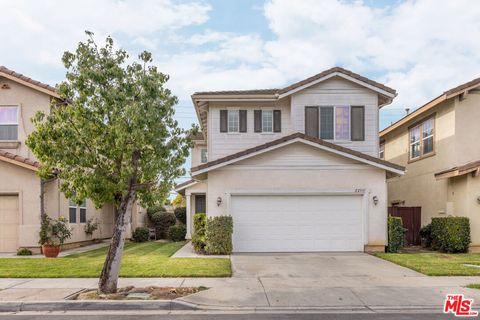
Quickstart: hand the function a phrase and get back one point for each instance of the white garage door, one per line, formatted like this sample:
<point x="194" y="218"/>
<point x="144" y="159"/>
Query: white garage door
<point x="8" y="223"/>
<point x="297" y="223"/>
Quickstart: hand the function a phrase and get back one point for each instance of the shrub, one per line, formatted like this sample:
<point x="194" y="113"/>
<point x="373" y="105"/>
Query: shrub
<point x="198" y="237"/>
<point x="152" y="210"/>
<point x="24" y="252"/>
<point x="451" y="234"/>
<point x="218" y="235"/>
<point x="91" y="226"/>
<point x="396" y="234"/>
<point x="177" y="232"/>
<point x="163" y="221"/>
<point x="426" y="235"/>
<point x="181" y="214"/>
<point x="141" y="234"/>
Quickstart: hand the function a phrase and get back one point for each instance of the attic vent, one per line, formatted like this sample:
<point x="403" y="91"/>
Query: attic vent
<point x="5" y="86"/>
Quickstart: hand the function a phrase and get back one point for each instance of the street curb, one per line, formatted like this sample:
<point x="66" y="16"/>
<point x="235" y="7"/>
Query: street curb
<point x="95" y="305"/>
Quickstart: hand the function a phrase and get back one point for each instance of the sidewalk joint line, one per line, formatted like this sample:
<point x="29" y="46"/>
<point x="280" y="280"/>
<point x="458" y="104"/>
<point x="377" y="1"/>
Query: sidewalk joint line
<point x="264" y="291"/>
<point x="18" y="284"/>
<point x="361" y="300"/>
<point x="181" y="284"/>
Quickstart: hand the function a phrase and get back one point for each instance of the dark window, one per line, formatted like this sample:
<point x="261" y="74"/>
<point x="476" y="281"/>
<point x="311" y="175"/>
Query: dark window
<point x="72" y="214"/>
<point x="311" y="121"/>
<point x="83" y="211"/>
<point x="358" y="123"/>
<point x="243" y="120"/>
<point x="326" y="123"/>
<point x="277" y="121"/>
<point x="200" y="204"/>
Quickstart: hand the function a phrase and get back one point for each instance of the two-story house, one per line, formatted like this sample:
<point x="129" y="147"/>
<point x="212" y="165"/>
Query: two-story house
<point x="297" y="168"/>
<point x="438" y="144"/>
<point x="23" y="196"/>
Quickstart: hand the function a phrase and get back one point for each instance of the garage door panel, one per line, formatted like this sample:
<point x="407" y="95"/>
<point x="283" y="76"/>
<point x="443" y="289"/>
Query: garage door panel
<point x="297" y="223"/>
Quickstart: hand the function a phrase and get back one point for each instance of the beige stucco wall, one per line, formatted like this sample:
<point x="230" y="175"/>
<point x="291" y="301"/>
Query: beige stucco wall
<point x="456" y="138"/>
<point x="302" y="168"/>
<point x="29" y="101"/>
<point x="196" y="153"/>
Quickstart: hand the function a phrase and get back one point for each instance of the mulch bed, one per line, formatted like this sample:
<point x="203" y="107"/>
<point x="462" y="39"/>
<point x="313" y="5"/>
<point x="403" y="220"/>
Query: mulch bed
<point x="148" y="293"/>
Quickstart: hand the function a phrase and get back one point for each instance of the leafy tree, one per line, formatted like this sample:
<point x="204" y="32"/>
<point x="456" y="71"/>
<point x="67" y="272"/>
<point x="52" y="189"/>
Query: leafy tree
<point x="179" y="201"/>
<point x="114" y="140"/>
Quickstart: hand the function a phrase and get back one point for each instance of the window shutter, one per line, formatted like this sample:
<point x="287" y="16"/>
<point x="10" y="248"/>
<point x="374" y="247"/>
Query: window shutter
<point x="358" y="123"/>
<point x="257" y="120"/>
<point x="243" y="120"/>
<point x="311" y="121"/>
<point x="223" y="120"/>
<point x="277" y="120"/>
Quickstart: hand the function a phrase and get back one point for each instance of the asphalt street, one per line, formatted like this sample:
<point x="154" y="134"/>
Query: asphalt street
<point x="228" y="316"/>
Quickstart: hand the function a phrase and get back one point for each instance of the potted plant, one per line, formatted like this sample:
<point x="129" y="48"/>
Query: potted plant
<point x="91" y="226"/>
<point x="53" y="234"/>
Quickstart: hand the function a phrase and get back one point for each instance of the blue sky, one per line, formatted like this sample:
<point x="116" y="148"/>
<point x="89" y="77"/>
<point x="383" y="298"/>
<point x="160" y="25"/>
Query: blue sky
<point x="420" y="48"/>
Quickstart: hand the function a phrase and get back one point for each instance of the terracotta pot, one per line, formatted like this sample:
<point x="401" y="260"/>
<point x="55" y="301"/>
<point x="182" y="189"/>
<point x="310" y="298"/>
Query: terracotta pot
<point x="50" y="251"/>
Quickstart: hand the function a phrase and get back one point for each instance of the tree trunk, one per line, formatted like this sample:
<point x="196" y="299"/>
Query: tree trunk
<point x="109" y="277"/>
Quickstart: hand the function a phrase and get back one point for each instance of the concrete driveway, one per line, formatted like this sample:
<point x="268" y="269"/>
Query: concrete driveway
<point x="315" y="265"/>
<point x="353" y="281"/>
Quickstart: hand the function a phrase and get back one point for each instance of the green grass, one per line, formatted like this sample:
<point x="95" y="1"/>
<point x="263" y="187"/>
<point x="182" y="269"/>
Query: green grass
<point x="473" y="285"/>
<point x="150" y="259"/>
<point x="435" y="263"/>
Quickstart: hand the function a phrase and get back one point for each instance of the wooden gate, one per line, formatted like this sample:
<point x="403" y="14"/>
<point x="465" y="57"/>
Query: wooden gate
<point x="411" y="218"/>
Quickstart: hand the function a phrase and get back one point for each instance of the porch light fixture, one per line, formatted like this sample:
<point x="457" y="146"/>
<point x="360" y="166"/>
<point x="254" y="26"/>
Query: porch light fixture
<point x="375" y="200"/>
<point x="219" y="201"/>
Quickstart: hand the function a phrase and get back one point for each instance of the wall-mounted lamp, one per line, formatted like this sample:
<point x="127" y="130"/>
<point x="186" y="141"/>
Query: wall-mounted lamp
<point x="478" y="199"/>
<point x="219" y="201"/>
<point x="375" y="200"/>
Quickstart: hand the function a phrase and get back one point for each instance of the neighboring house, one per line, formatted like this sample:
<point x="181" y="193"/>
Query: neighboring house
<point x="297" y="167"/>
<point x="20" y="188"/>
<point x="439" y="145"/>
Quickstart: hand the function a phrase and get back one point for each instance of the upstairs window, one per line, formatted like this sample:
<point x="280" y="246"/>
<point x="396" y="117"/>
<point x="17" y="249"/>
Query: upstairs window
<point x="421" y="139"/>
<point x="233" y="121"/>
<point x="8" y="123"/>
<point x="203" y="156"/>
<point x="381" y="152"/>
<point x="335" y="122"/>
<point x="267" y="121"/>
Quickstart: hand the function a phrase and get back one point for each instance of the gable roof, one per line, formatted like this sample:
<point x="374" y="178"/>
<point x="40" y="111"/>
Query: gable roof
<point x="182" y="186"/>
<point x="322" y="144"/>
<point x="19" y="160"/>
<point x="451" y="93"/>
<point x="29" y="82"/>
<point x="300" y="84"/>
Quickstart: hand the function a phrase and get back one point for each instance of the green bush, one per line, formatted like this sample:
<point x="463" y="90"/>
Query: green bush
<point x="426" y="235"/>
<point x="451" y="234"/>
<point x="24" y="252"/>
<point x="181" y="214"/>
<point x="396" y="234"/>
<point x="198" y="237"/>
<point x="162" y="221"/>
<point x="152" y="210"/>
<point x="218" y="235"/>
<point x="177" y="232"/>
<point x="141" y="234"/>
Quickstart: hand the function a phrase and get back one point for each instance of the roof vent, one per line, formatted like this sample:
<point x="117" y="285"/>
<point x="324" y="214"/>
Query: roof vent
<point x="407" y="110"/>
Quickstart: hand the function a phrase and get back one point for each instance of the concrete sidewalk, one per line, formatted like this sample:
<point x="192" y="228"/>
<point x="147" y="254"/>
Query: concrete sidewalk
<point x="269" y="293"/>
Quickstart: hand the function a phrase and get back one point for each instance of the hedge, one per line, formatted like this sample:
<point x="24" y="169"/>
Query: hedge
<point x="162" y="221"/>
<point x="177" y="232"/>
<point x="426" y="235"/>
<point x="218" y="235"/>
<point x="198" y="237"/>
<point x="396" y="234"/>
<point x="181" y="214"/>
<point x="451" y="234"/>
<point x="141" y="234"/>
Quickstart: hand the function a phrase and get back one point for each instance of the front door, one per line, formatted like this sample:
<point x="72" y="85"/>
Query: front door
<point x="200" y="203"/>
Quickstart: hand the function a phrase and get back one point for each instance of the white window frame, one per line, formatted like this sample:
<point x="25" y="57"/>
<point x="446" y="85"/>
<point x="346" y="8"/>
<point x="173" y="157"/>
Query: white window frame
<point x="203" y="151"/>
<point x="264" y="113"/>
<point x="421" y="139"/>
<point x="231" y="124"/>
<point x="12" y="124"/>
<point x="381" y="150"/>
<point x="72" y="205"/>
<point x="335" y="122"/>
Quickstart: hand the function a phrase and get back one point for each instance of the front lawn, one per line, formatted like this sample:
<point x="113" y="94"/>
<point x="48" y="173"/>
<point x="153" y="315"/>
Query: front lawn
<point x="435" y="263"/>
<point x="149" y="259"/>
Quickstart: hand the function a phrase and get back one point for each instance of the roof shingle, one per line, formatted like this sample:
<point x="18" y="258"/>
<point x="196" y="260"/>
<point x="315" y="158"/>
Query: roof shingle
<point x="27" y="79"/>
<point x="19" y="159"/>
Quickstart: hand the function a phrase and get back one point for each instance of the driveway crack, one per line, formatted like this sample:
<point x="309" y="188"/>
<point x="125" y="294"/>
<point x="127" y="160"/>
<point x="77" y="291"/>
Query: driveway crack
<point x="264" y="291"/>
<point x="361" y="300"/>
